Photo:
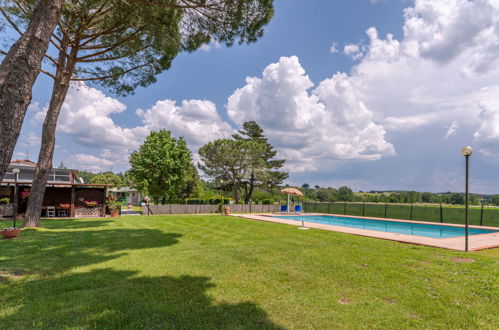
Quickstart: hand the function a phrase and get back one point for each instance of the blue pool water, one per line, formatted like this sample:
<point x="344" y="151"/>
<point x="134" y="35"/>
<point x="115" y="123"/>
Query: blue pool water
<point x="429" y="230"/>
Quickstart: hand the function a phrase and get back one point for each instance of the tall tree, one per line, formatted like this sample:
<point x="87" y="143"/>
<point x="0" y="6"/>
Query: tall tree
<point x="19" y="70"/>
<point x="231" y="161"/>
<point x="267" y="172"/>
<point x="108" y="178"/>
<point x="162" y="168"/>
<point x="345" y="193"/>
<point x="125" y="44"/>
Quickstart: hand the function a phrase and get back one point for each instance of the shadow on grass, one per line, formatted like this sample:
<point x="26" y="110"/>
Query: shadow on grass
<point x="41" y="286"/>
<point x="48" y="252"/>
<point x="110" y="299"/>
<point x="73" y="223"/>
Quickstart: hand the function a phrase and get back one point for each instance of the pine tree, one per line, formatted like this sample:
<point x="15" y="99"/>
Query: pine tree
<point x="269" y="175"/>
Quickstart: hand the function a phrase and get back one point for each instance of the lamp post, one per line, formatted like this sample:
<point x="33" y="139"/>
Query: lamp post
<point x="466" y="152"/>
<point x="16" y="193"/>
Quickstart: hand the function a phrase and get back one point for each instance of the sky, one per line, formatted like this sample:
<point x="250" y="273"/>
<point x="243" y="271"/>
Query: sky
<point x="373" y="94"/>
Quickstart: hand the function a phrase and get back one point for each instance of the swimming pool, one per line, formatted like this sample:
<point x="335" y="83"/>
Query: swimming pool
<point x="417" y="229"/>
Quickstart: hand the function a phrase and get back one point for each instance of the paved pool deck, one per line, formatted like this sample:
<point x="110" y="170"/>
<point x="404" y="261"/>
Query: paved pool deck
<point x="475" y="242"/>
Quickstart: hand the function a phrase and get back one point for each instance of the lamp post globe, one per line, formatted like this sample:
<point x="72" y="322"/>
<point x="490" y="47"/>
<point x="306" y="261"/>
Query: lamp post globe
<point x="467" y="151"/>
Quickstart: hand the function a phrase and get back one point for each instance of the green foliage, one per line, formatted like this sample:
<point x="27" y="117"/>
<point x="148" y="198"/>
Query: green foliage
<point x="345" y="193"/>
<point x="231" y="162"/>
<point x="108" y="178"/>
<point x="163" y="169"/>
<point x="4" y="201"/>
<point x="124" y="44"/>
<point x="456" y="199"/>
<point x="267" y="172"/>
<point x="208" y="201"/>
<point x="86" y="176"/>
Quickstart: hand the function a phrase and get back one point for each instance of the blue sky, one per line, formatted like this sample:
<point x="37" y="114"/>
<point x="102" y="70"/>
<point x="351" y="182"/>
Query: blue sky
<point x="376" y="111"/>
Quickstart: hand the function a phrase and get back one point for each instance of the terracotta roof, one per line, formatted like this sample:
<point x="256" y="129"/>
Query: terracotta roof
<point x="23" y="161"/>
<point x="60" y="184"/>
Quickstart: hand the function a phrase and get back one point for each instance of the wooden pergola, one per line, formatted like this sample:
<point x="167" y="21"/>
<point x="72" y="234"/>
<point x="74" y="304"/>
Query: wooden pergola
<point x="60" y="194"/>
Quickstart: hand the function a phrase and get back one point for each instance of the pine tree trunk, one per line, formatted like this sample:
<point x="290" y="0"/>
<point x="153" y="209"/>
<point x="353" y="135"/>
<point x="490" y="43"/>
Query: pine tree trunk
<point x="18" y="73"/>
<point x="249" y="192"/>
<point x="235" y="188"/>
<point x="44" y="164"/>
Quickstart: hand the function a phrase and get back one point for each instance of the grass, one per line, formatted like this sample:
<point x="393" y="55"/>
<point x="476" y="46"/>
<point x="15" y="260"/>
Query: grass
<point x="213" y="272"/>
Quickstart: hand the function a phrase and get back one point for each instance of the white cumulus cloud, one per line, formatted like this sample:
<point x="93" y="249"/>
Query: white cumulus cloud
<point x="89" y="163"/>
<point x="87" y="118"/>
<point x="309" y="128"/>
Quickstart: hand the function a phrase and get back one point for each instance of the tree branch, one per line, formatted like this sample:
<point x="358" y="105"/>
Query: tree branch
<point x="114" y="75"/>
<point x="189" y="5"/>
<point x="11" y="22"/>
<point x="53" y="60"/>
<point x="94" y="36"/>
<point x="24" y="10"/>
<point x="105" y="59"/>
<point x="102" y="52"/>
<point x="47" y="73"/>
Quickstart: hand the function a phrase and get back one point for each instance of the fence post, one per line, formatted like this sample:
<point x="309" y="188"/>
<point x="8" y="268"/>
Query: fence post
<point x="170" y="209"/>
<point x="386" y="208"/>
<point x="412" y="209"/>
<point x="481" y="216"/>
<point x="250" y="205"/>
<point x="329" y="208"/>
<point x="441" y="213"/>
<point x="363" y="209"/>
<point x="344" y="208"/>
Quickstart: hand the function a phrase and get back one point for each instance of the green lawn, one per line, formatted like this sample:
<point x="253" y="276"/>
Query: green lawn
<point x="202" y="272"/>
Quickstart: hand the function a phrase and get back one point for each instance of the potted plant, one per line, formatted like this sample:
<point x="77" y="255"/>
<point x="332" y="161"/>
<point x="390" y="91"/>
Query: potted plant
<point x="113" y="203"/>
<point x="9" y="232"/>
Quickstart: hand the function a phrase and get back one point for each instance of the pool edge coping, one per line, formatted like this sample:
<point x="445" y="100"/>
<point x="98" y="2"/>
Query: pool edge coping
<point x="451" y="243"/>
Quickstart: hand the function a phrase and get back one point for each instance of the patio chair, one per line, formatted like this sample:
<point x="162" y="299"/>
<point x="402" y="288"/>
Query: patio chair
<point x="298" y="208"/>
<point x="50" y="211"/>
<point x="284" y="208"/>
<point x="62" y="213"/>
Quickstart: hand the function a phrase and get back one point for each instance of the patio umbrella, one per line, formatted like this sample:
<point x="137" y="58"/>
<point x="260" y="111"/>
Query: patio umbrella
<point x="291" y="191"/>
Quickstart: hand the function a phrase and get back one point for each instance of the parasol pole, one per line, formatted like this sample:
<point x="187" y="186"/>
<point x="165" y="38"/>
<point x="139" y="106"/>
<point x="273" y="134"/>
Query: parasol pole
<point x="289" y="197"/>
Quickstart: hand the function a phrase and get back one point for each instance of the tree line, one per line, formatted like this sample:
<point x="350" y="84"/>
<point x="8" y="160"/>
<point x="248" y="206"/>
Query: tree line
<point x="163" y="167"/>
<point x="344" y="193"/>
